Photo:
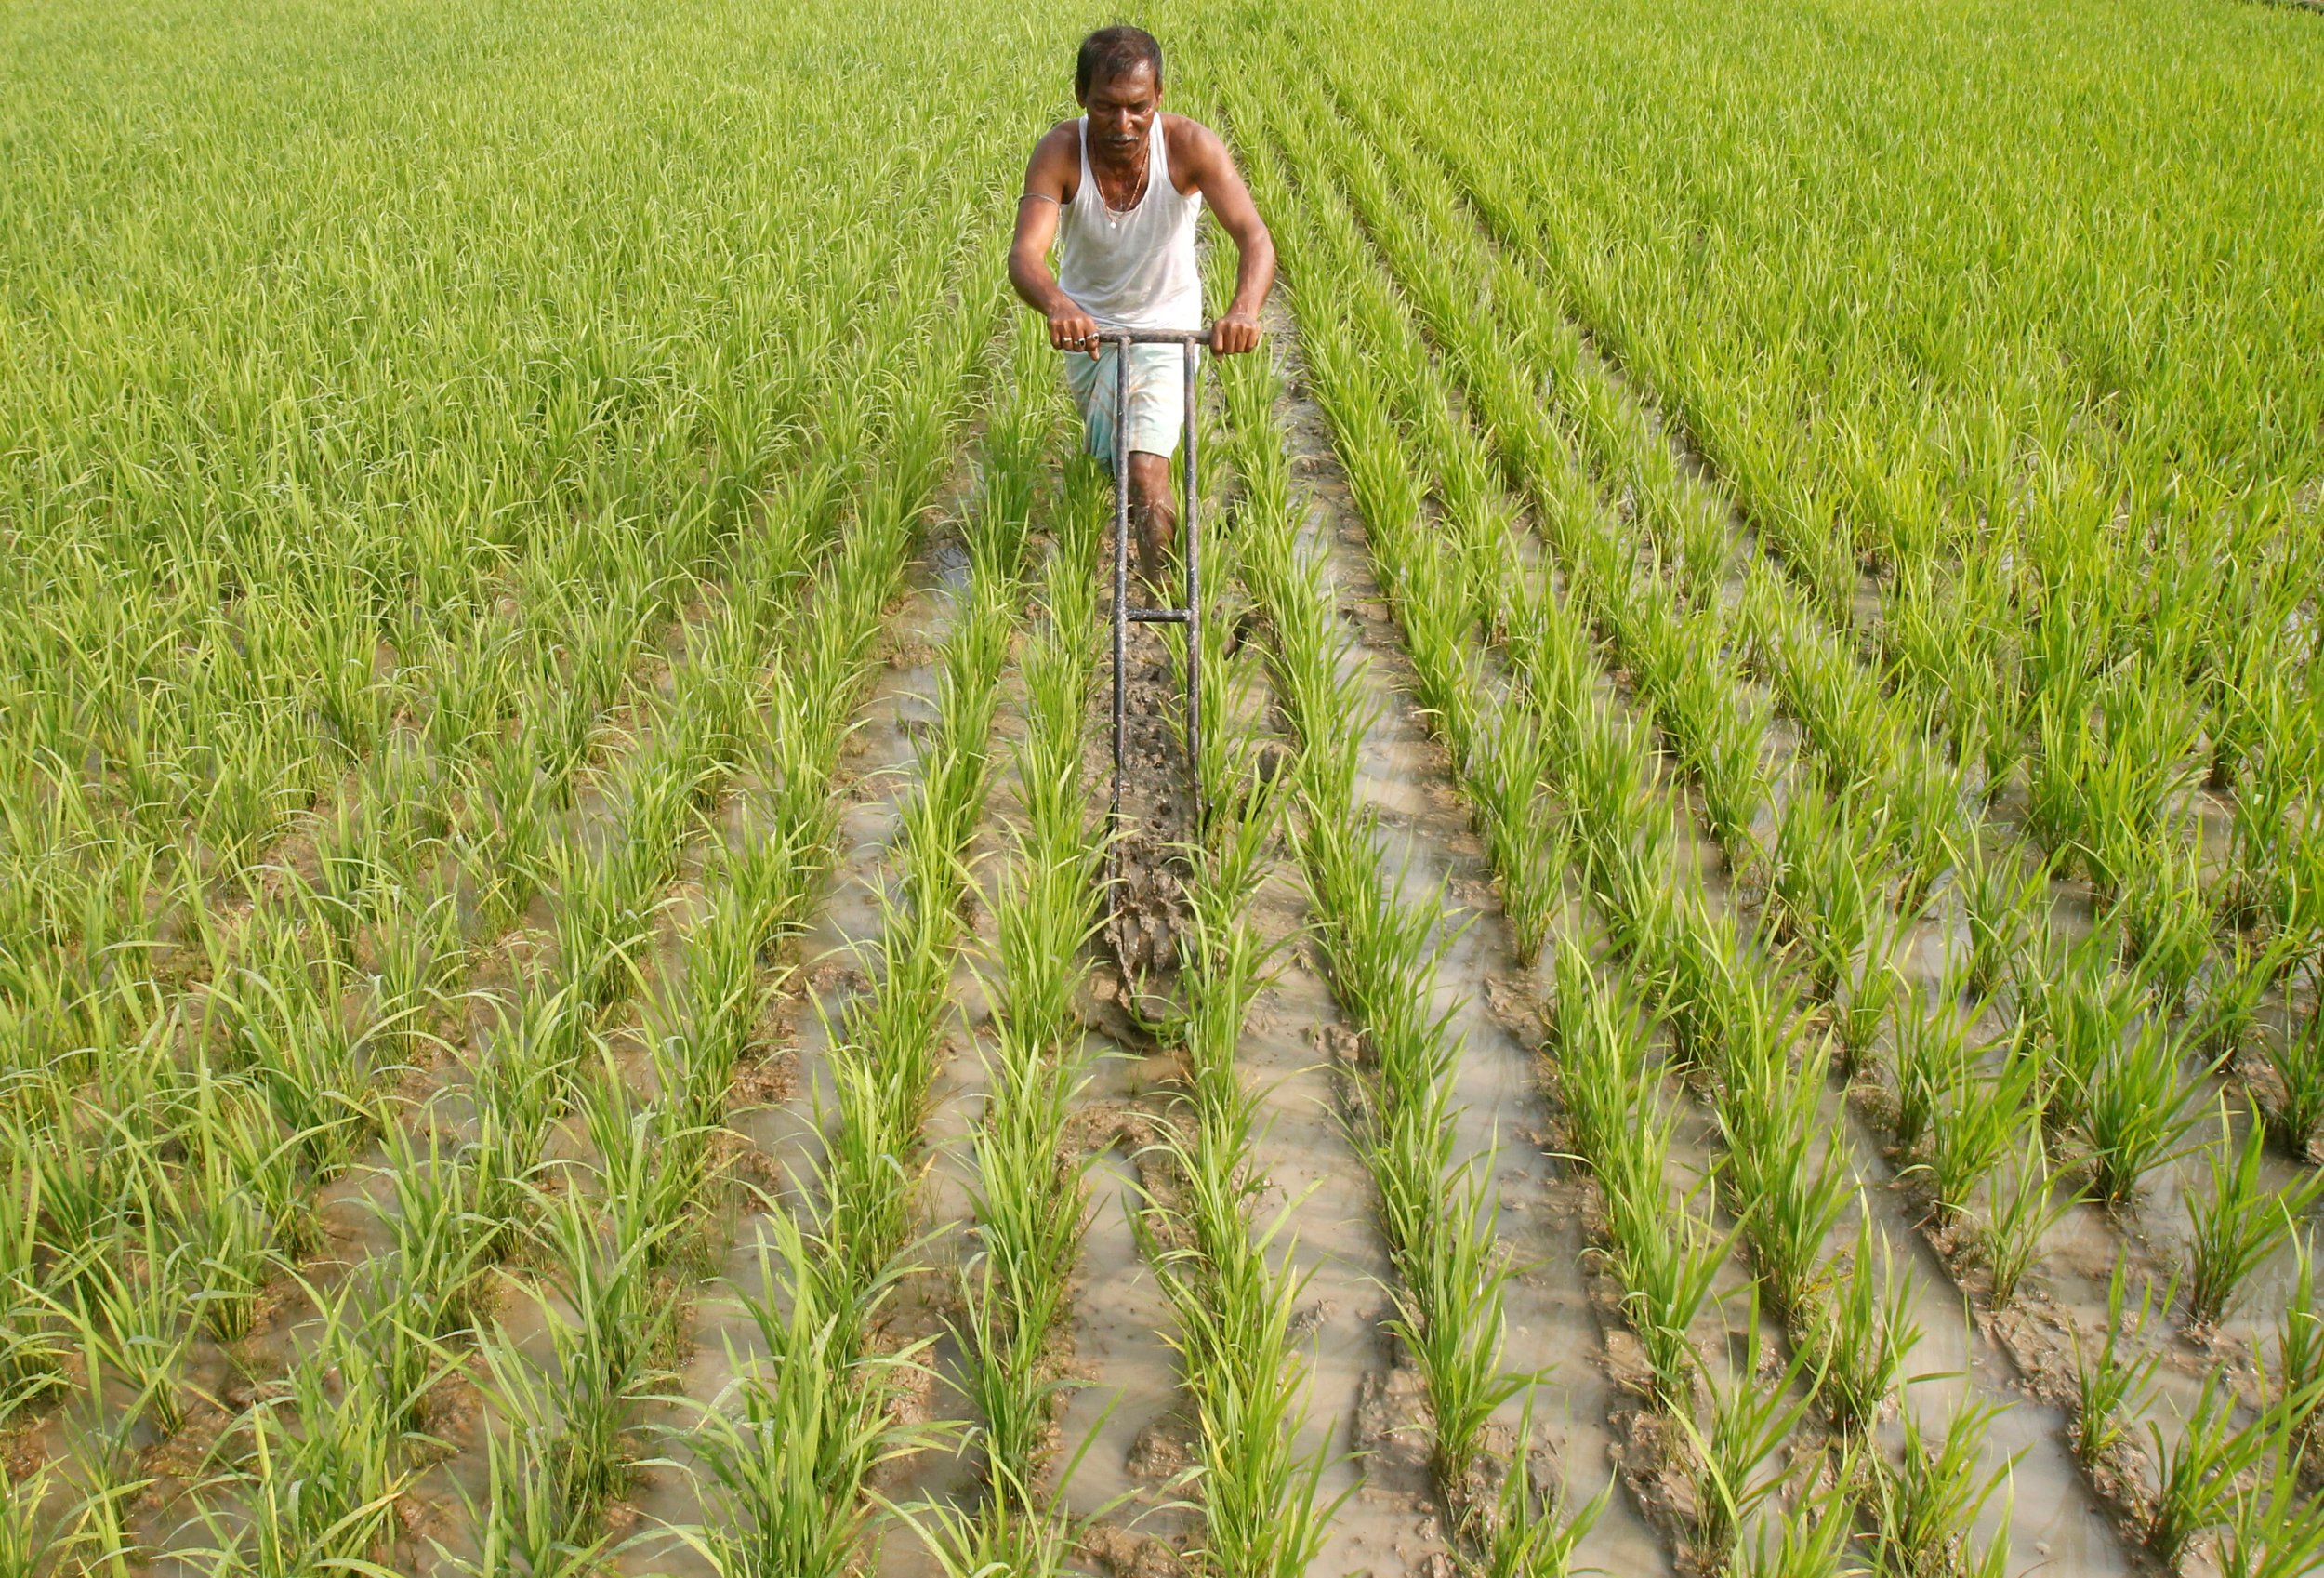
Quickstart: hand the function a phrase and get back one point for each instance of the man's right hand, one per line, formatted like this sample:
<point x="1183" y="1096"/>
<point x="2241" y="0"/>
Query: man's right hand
<point x="1070" y="328"/>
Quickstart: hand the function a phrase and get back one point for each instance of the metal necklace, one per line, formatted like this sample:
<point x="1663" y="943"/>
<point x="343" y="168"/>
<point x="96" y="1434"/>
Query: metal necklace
<point x="1138" y="190"/>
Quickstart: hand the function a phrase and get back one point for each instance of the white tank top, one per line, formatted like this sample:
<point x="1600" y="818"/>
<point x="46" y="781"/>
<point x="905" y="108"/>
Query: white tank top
<point x="1134" y="269"/>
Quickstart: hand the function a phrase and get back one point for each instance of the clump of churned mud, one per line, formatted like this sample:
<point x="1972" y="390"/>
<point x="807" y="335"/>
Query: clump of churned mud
<point x="1147" y="915"/>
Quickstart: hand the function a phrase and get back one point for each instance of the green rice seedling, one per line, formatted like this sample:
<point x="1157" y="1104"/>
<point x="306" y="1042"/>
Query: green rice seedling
<point x="2240" y="1223"/>
<point x="1983" y="1114"/>
<point x="2298" y="1368"/>
<point x="2229" y="1011"/>
<point x="32" y="1350"/>
<point x="1932" y="1047"/>
<point x="1865" y="1334"/>
<point x="1528" y="855"/>
<point x="527" y="1520"/>
<point x="788" y="1448"/>
<point x="2200" y="1472"/>
<point x="2003" y="900"/>
<point x="1783" y="1168"/>
<point x="2164" y="919"/>
<point x="533" y="1057"/>
<point x="1750" y="1417"/>
<point x="1529" y="1534"/>
<point x="2022" y="1204"/>
<point x="1811" y="1540"/>
<point x="651" y="1165"/>
<point x="1601" y="1054"/>
<point x="322" y="1493"/>
<point x="2114" y="1387"/>
<point x="1822" y="894"/>
<point x="131" y="1310"/>
<point x="301" y="1052"/>
<point x="2273" y="1529"/>
<point x="1261" y="1501"/>
<point x="442" y="1237"/>
<point x="35" y="1540"/>
<point x="515" y="1111"/>
<point x="2134" y="1107"/>
<point x="1014" y="1535"/>
<point x="1450" y="1318"/>
<point x="1872" y="985"/>
<point x="1011" y="1314"/>
<point x="605" y="907"/>
<point x="230" y="1247"/>
<point x="1926" y="1507"/>
<point x="102" y="1535"/>
<point x="2295" y="1107"/>
<point x="417" y="953"/>
<point x="234" y="1140"/>
<point x="1667" y="1261"/>
<point x="88" y="1164"/>
<point x="713" y="1013"/>
<point x="606" y="1349"/>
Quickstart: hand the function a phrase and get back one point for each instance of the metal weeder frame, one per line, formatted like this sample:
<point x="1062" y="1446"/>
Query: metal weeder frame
<point x="1190" y="614"/>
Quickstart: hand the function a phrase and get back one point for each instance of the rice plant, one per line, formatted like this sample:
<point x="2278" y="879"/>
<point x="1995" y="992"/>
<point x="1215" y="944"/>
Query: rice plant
<point x="1867" y="1334"/>
<point x="2115" y="1383"/>
<point x="2200" y="1470"/>
<point x="2273" y="1529"/>
<point x="2023" y="1202"/>
<point x="2241" y="1223"/>
<point x="789" y="1445"/>
<point x="1927" y="1504"/>
<point x="1751" y="1416"/>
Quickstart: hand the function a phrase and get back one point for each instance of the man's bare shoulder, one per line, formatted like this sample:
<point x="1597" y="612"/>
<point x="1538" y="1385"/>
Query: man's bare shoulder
<point x="1195" y="149"/>
<point x="1055" y="168"/>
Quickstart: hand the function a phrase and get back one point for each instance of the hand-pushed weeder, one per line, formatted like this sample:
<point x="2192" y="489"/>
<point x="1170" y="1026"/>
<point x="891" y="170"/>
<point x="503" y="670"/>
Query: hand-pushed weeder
<point x="1190" y="614"/>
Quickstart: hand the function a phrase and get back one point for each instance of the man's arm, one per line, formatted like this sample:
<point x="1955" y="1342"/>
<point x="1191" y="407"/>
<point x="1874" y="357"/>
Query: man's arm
<point x="1054" y="163"/>
<point x="1222" y="186"/>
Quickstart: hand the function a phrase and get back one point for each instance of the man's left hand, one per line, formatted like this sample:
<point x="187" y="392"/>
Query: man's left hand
<point x="1234" y="334"/>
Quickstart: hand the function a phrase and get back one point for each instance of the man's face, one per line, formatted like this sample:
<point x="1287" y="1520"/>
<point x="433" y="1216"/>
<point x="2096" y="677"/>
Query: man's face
<point x="1122" y="108"/>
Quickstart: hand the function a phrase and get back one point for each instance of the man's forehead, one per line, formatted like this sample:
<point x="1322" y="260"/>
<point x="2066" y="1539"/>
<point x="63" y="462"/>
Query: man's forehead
<point x="1126" y="86"/>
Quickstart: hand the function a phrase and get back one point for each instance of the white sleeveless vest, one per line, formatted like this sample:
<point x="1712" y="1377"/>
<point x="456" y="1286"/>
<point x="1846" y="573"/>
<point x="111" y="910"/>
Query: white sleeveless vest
<point x="1134" y="269"/>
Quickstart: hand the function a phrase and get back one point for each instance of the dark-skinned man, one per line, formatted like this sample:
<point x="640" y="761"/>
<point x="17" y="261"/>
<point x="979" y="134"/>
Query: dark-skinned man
<point x="1117" y="190"/>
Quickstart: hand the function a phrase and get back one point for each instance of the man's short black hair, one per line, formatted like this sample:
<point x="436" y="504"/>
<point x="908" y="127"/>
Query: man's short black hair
<point x="1113" y="51"/>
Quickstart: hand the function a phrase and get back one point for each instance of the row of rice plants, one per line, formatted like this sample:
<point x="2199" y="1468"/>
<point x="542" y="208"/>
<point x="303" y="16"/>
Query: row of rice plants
<point x="1225" y="1263"/>
<point x="2106" y="792"/>
<point x="1436" y="1210"/>
<point x="537" y="1063"/>
<point x="587" y="605"/>
<point x="1028" y="1202"/>
<point x="1926" y="453"/>
<point x="382" y="927"/>
<point x="788" y="1449"/>
<point x="1835" y="857"/>
<point x="1972" y="1138"/>
<point x="608" y="1308"/>
<point x="289" y="1069"/>
<point x="1768" y="1110"/>
<point x="252" y="607"/>
<point x="1831" y="929"/>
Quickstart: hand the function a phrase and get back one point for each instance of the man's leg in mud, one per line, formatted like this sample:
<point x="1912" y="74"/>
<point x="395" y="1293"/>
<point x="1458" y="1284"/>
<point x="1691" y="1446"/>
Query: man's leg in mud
<point x="1153" y="522"/>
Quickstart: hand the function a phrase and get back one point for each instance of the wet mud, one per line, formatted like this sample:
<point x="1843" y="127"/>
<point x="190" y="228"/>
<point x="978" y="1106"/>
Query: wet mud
<point x="1148" y="859"/>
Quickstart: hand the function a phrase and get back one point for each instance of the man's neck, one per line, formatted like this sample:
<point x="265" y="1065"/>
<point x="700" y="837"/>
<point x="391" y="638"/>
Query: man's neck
<point x="1125" y="163"/>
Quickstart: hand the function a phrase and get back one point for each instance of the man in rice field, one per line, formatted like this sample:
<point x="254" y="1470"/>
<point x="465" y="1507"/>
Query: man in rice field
<point x="1118" y="191"/>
